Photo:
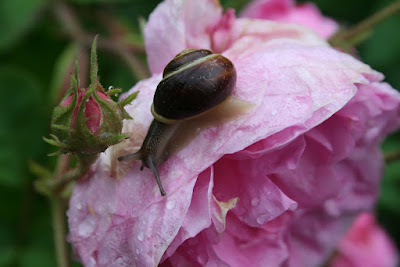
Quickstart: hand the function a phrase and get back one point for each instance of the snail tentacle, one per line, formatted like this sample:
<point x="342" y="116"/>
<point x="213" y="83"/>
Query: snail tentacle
<point x="153" y="167"/>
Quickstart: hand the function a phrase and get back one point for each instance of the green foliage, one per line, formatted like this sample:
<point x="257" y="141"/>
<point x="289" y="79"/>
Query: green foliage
<point x="21" y="124"/>
<point x="82" y="2"/>
<point x="36" y="56"/>
<point x="16" y="16"/>
<point x="382" y="50"/>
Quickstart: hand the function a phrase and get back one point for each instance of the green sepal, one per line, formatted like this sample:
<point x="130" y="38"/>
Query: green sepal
<point x="94" y="67"/>
<point x="55" y="142"/>
<point x="113" y="92"/>
<point x="125" y="102"/>
<point x="56" y="153"/>
<point x="126" y="115"/>
<point x="62" y="115"/>
<point x="128" y="99"/>
<point x="116" y="139"/>
<point x="112" y="116"/>
<point x="62" y="128"/>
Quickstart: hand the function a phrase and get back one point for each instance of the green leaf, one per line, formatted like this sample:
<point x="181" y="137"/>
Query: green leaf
<point x="16" y="17"/>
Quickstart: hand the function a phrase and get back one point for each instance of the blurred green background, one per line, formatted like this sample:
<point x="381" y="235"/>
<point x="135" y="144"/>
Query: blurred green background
<point x="39" y="39"/>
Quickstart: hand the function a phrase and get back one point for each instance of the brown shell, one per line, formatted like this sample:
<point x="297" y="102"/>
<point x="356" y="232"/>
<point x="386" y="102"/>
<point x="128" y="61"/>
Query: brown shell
<point x="194" y="81"/>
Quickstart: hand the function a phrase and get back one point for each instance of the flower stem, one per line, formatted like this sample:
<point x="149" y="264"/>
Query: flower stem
<point x="356" y="34"/>
<point x="83" y="165"/>
<point x="58" y="217"/>
<point x="58" y="223"/>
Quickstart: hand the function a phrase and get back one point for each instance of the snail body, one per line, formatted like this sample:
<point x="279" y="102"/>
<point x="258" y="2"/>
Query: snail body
<point x="194" y="94"/>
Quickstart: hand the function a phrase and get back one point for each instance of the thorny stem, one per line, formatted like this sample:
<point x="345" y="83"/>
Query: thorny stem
<point x="58" y="221"/>
<point x="83" y="165"/>
<point x="61" y="178"/>
<point x="58" y="218"/>
<point x="126" y="51"/>
<point x="354" y="35"/>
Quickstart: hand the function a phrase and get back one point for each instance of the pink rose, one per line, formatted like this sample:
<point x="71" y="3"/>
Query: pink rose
<point x="306" y="14"/>
<point x="277" y="186"/>
<point x="365" y="244"/>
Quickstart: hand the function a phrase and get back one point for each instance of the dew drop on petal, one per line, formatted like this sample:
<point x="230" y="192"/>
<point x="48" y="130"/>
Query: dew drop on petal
<point x="86" y="228"/>
<point x="274" y="112"/>
<point x="140" y="236"/>
<point x="201" y="259"/>
<point x="137" y="251"/>
<point x="262" y="219"/>
<point x="171" y="204"/>
<point x="255" y="202"/>
<point x="92" y="261"/>
<point x="110" y="87"/>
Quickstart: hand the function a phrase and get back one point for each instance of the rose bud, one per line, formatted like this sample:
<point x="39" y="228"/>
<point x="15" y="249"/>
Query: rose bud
<point x="87" y="121"/>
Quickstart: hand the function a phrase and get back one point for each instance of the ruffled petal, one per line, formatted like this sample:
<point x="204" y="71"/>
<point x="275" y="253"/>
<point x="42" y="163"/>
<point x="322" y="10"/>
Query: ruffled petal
<point x="305" y="14"/>
<point x="178" y="24"/>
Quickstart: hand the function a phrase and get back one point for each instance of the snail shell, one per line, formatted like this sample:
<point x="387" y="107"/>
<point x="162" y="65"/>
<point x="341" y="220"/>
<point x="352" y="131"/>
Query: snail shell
<point x="195" y="81"/>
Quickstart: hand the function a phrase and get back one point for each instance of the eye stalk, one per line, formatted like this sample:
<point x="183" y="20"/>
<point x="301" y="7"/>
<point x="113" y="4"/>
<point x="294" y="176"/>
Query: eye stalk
<point x="194" y="83"/>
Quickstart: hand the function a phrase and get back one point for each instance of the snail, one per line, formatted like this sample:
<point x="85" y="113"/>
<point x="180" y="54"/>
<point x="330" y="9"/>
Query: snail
<point x="195" y="93"/>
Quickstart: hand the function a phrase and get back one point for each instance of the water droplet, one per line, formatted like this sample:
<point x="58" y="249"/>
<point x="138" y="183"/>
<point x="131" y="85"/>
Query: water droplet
<point x="86" y="228"/>
<point x="171" y="204"/>
<point x="79" y="206"/>
<point x="262" y="219"/>
<point x="331" y="208"/>
<point x="255" y="202"/>
<point x="137" y="251"/>
<point x="110" y="87"/>
<point x="274" y="112"/>
<point x="140" y="236"/>
<point x="201" y="259"/>
<point x="92" y="261"/>
<point x="118" y="262"/>
<point x="291" y="165"/>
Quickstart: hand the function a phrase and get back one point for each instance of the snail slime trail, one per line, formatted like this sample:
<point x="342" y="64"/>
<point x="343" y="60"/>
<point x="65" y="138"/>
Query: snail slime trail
<point x="194" y="94"/>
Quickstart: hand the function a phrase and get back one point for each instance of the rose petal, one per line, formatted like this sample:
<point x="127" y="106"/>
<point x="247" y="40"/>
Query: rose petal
<point x="198" y="216"/>
<point x="305" y="14"/>
<point x="175" y="25"/>
<point x="313" y="236"/>
<point x="366" y="244"/>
